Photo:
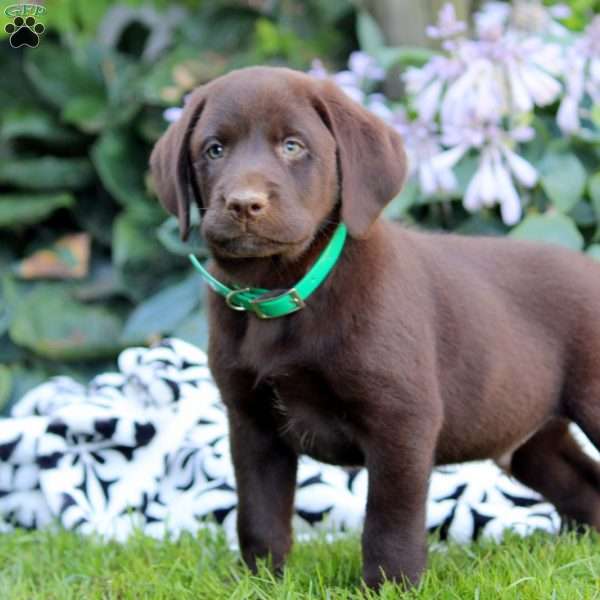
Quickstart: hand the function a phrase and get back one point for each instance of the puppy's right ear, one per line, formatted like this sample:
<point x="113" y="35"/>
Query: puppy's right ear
<point x="170" y="164"/>
<point x="371" y="157"/>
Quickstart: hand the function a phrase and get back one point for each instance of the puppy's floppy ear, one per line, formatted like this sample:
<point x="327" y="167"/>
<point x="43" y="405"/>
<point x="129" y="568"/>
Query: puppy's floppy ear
<point x="170" y="164"/>
<point x="371" y="157"/>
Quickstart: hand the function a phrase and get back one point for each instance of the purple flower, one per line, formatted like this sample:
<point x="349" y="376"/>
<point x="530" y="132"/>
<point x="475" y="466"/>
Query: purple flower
<point x="363" y="70"/>
<point x="365" y="67"/>
<point x="498" y="166"/>
<point x="172" y="114"/>
<point x="351" y="84"/>
<point x="448" y="25"/>
<point x="560" y="11"/>
<point x="318" y="70"/>
<point x="582" y="77"/>
<point x="422" y="145"/>
<point x="486" y="77"/>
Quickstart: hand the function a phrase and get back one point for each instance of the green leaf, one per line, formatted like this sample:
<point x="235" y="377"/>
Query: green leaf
<point x="101" y="284"/>
<point x="399" y="206"/>
<point x="76" y="17"/>
<point x="23" y="379"/>
<point x="131" y="242"/>
<point x="11" y="294"/>
<point x="583" y="214"/>
<point x="163" y="312"/>
<point x="403" y="55"/>
<point x="5" y="386"/>
<point x="95" y="212"/>
<point x="56" y="76"/>
<point x="553" y="228"/>
<point x="370" y="36"/>
<point x="168" y="235"/>
<point x="139" y="257"/>
<point x="562" y="177"/>
<point x="194" y="329"/>
<point x="150" y="124"/>
<point x="121" y="165"/>
<point x="53" y="325"/>
<point x="11" y="67"/>
<point x="5" y="315"/>
<point x="594" y="192"/>
<point x="268" y="38"/>
<point x="9" y="352"/>
<point x="534" y="150"/>
<point x="331" y="11"/>
<point x="47" y="172"/>
<point x="28" y="209"/>
<point x="485" y="222"/>
<point x="593" y="251"/>
<point x="464" y="172"/>
<point x="595" y="114"/>
<point x="37" y="124"/>
<point x="88" y="113"/>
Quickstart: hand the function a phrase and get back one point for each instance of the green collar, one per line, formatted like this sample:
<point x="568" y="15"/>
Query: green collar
<point x="248" y="299"/>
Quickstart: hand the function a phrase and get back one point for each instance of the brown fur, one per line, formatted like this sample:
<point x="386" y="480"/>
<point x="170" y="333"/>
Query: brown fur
<point x="419" y="349"/>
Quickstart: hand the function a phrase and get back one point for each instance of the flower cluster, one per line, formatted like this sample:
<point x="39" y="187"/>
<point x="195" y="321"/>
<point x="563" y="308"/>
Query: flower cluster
<point x="362" y="71"/>
<point x="478" y="95"/>
<point x="582" y="79"/>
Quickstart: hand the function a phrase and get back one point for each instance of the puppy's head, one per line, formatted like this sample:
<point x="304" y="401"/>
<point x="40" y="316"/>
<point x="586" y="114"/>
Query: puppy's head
<point x="269" y="155"/>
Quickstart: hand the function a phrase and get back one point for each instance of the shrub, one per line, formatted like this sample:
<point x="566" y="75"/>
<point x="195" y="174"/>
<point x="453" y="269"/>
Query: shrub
<point x="83" y="266"/>
<point x="508" y="117"/>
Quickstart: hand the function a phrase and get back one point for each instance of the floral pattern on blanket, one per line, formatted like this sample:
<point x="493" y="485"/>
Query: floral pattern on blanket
<point x="146" y="448"/>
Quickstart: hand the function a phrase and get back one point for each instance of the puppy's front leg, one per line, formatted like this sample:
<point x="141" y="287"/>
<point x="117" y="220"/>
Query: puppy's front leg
<point x="399" y="461"/>
<point x="265" y="472"/>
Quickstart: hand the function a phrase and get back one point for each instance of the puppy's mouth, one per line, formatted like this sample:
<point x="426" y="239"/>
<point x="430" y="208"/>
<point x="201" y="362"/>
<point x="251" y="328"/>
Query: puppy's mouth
<point x="251" y="245"/>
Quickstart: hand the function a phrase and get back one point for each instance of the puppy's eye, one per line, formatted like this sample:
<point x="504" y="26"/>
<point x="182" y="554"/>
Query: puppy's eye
<point x="292" y="148"/>
<point x="215" y="151"/>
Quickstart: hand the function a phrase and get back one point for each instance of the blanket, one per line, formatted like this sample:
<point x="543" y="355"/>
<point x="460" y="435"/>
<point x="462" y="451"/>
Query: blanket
<point x="145" y="448"/>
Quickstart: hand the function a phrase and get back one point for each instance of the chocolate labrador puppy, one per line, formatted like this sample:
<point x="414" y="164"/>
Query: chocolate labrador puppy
<point x="417" y="349"/>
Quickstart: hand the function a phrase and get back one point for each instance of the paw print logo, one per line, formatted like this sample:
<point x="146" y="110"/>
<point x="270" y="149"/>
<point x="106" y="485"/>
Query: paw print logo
<point x="24" y="32"/>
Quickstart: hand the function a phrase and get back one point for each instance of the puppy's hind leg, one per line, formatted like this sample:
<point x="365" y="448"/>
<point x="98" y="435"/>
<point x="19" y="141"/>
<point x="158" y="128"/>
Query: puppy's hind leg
<point x="553" y="463"/>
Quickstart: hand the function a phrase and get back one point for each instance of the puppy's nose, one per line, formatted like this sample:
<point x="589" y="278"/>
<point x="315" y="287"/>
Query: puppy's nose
<point x="247" y="204"/>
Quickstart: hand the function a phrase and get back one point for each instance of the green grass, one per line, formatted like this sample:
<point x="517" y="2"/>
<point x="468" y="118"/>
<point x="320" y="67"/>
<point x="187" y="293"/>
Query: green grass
<point x="64" y="566"/>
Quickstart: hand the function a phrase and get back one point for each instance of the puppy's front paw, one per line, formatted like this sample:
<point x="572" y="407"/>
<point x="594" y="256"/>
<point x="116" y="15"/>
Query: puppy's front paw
<point x="255" y="562"/>
<point x="273" y="556"/>
<point x="375" y="577"/>
<point x="406" y="573"/>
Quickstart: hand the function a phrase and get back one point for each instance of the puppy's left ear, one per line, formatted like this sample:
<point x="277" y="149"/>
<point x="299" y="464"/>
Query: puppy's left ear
<point x="371" y="157"/>
<point x="170" y="164"/>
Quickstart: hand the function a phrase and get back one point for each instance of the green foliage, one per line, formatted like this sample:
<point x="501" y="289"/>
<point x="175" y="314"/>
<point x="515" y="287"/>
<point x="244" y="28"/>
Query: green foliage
<point x="53" y="325"/>
<point x="162" y="313"/>
<point x="46" y="173"/>
<point x="552" y="228"/>
<point x="581" y="12"/>
<point x="76" y="130"/>
<point x="28" y="209"/>
<point x="121" y="164"/>
<point x="77" y="125"/>
<point x="33" y="123"/>
<point x="563" y="178"/>
<point x="562" y="208"/>
<point x="371" y="40"/>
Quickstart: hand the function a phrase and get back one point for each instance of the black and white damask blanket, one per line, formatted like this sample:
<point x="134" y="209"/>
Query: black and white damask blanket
<point x="146" y="448"/>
